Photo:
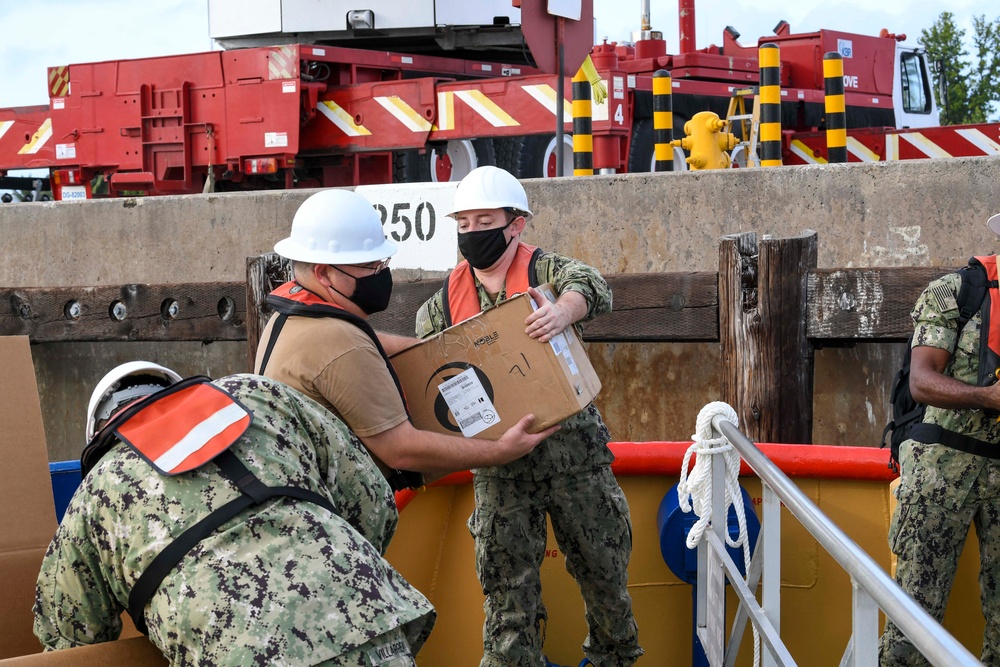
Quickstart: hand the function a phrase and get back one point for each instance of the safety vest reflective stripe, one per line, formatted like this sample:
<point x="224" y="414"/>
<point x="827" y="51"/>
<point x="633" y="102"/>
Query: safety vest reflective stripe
<point x="186" y="429"/>
<point x="200" y="435"/>
<point x="463" y="299"/>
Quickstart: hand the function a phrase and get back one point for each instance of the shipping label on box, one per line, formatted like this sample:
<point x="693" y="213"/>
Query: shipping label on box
<point x="480" y="377"/>
<point x="469" y="402"/>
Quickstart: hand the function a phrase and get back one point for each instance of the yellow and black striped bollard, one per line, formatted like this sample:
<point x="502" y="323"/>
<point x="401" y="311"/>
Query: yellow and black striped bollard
<point x="836" y="110"/>
<point x="583" y="137"/>
<point x="663" y="121"/>
<point x="770" y="105"/>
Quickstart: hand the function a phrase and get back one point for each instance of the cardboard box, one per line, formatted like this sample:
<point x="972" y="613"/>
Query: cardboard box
<point x="136" y="651"/>
<point x="480" y="377"/>
<point x="28" y="522"/>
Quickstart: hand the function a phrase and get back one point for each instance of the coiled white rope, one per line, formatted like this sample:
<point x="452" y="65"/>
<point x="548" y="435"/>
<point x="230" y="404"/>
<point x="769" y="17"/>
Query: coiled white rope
<point x="696" y="485"/>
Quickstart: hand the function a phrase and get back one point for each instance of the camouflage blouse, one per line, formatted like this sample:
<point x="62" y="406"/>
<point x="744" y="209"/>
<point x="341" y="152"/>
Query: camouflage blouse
<point x="284" y="583"/>
<point x="937" y="472"/>
<point x="581" y="442"/>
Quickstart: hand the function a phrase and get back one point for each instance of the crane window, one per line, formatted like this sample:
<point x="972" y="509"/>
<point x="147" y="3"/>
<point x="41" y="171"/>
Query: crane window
<point x="914" y="83"/>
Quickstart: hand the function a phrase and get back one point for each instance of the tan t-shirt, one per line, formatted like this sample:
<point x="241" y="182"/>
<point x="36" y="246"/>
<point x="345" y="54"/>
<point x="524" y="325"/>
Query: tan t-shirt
<point x="336" y="364"/>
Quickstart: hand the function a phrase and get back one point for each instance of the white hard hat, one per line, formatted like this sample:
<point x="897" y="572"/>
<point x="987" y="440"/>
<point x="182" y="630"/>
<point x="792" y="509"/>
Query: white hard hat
<point x="336" y="227"/>
<point x="490" y="187"/>
<point x="994" y="224"/>
<point x="112" y="391"/>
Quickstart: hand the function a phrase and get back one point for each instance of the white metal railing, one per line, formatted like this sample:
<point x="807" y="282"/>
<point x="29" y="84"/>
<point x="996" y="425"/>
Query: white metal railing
<point x="873" y="589"/>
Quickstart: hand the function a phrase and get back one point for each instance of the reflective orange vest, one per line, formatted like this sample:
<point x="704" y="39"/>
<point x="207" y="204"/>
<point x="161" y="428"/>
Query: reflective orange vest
<point x="989" y="347"/>
<point x="186" y="429"/>
<point x="460" y="297"/>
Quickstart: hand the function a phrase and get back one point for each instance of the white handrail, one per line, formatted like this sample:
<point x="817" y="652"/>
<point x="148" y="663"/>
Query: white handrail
<point x="868" y="577"/>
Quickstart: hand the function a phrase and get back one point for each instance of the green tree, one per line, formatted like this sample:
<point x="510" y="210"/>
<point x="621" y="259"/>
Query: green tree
<point x="966" y="91"/>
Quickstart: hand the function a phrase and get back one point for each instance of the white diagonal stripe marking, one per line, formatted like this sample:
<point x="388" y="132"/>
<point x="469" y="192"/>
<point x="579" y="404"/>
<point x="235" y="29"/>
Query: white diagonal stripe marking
<point x="199" y="435"/>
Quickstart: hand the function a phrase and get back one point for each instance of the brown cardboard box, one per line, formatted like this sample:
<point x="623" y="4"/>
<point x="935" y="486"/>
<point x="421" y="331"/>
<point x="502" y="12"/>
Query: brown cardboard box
<point x="478" y="378"/>
<point x="28" y="521"/>
<point x="137" y="651"/>
<point x="25" y="485"/>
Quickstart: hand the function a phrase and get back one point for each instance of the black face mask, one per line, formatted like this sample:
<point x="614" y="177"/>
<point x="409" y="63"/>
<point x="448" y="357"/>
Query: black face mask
<point x="371" y="293"/>
<point x="484" y="248"/>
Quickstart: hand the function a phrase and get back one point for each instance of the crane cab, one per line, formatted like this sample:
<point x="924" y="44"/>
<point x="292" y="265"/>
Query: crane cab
<point x="912" y="94"/>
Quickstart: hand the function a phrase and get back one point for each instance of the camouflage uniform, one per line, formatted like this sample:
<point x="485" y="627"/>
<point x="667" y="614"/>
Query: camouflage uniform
<point x="569" y="477"/>
<point x="942" y="490"/>
<point x="285" y="583"/>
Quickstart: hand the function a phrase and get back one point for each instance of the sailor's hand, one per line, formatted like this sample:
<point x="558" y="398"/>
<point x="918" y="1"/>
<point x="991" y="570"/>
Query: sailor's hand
<point x="549" y="320"/>
<point x="517" y="441"/>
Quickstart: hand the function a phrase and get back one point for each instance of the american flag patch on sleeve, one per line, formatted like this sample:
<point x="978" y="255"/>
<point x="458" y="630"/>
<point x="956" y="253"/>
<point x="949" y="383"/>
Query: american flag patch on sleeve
<point x="945" y="298"/>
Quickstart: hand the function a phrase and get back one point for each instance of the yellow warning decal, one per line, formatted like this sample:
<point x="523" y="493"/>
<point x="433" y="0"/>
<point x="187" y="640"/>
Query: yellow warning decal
<point x="4" y="126"/>
<point x="59" y="81"/>
<point x="486" y="108"/>
<point x="805" y="153"/>
<point x="892" y="147"/>
<point x="281" y="63"/>
<point x="342" y="119"/>
<point x="980" y="141"/>
<point x="545" y="95"/>
<point x="926" y="146"/>
<point x="405" y="114"/>
<point x="39" y="139"/>
<point x="446" y="111"/>
<point x="862" y="152"/>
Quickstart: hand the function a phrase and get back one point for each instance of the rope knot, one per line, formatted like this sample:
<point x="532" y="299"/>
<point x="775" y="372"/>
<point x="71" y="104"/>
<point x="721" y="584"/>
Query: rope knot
<point x="694" y="491"/>
<point x="697" y="484"/>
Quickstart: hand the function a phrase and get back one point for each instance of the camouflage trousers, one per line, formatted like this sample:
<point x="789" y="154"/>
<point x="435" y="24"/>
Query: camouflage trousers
<point x="927" y="540"/>
<point x="590" y="519"/>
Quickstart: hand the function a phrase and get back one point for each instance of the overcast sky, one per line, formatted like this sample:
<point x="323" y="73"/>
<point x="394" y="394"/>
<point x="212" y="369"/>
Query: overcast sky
<point x="43" y="33"/>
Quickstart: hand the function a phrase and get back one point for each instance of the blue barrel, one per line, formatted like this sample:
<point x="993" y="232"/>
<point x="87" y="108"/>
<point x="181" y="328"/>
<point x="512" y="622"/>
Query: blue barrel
<point x="65" y="478"/>
<point x="674" y="524"/>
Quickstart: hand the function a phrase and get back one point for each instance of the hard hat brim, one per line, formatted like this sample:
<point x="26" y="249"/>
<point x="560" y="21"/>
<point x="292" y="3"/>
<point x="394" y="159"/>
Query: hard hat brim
<point x="994" y="224"/>
<point x="289" y="249"/>
<point x="528" y="215"/>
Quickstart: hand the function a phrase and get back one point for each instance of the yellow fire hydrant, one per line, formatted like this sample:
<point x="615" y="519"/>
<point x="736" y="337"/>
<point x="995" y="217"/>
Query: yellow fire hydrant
<point x="706" y="142"/>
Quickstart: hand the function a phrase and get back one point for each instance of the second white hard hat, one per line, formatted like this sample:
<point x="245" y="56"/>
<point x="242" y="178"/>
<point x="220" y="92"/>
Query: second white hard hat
<point x="490" y="187"/>
<point x="994" y="224"/>
<point x="114" y="390"/>
<point x="336" y="227"/>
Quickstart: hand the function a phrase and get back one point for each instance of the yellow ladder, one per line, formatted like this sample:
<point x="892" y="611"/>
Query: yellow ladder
<point x="745" y="153"/>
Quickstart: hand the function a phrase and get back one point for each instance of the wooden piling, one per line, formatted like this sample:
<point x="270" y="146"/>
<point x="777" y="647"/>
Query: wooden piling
<point x="767" y="360"/>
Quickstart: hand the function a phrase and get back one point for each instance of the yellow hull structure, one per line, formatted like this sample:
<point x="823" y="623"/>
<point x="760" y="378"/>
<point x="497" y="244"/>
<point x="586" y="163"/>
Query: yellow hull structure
<point x="434" y="551"/>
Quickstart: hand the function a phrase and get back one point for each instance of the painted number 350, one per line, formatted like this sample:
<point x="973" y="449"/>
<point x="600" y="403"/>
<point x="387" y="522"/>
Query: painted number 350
<point x="401" y="226"/>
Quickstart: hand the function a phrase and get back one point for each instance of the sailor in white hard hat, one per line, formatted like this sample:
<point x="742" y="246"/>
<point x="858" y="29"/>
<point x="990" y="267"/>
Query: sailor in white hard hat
<point x="320" y="343"/>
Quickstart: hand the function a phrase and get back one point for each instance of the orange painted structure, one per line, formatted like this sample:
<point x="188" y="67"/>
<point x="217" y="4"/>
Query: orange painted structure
<point x="434" y="551"/>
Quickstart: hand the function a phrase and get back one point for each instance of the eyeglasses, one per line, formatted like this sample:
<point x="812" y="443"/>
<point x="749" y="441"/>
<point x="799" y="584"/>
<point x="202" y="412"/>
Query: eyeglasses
<point x="375" y="267"/>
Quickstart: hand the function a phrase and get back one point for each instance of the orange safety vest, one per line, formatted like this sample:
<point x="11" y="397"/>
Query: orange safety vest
<point x="989" y="349"/>
<point x="182" y="430"/>
<point x="294" y="299"/>
<point x="460" y="297"/>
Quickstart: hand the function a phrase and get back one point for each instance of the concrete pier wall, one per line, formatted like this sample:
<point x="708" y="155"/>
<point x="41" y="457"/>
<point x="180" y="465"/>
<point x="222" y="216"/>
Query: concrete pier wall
<point x="918" y="213"/>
